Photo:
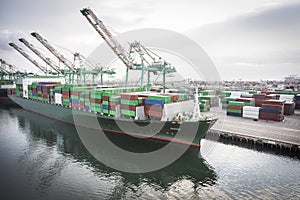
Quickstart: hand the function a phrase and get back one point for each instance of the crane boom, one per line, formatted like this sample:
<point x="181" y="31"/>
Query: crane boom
<point x="37" y="52"/>
<point x="60" y="57"/>
<point x="107" y="36"/>
<point x="21" y="51"/>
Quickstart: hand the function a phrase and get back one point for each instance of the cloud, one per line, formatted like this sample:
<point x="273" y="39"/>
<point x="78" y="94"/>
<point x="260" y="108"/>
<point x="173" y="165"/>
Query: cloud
<point x="6" y="37"/>
<point x="265" y="38"/>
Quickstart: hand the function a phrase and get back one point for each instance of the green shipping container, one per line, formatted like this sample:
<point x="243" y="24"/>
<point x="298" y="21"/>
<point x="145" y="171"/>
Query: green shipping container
<point x="128" y="112"/>
<point x="130" y="102"/>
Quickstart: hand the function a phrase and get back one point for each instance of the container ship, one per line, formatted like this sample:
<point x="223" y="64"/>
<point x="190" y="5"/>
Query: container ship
<point x="134" y="111"/>
<point x="119" y="110"/>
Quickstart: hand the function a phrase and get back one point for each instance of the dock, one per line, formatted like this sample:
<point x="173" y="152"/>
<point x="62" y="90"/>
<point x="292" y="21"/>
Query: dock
<point x="273" y="134"/>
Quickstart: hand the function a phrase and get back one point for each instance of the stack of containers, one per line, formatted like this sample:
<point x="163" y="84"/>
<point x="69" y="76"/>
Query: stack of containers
<point x="223" y="100"/>
<point x="46" y="89"/>
<point x="30" y="91"/>
<point x="154" y="103"/>
<point x="154" y="108"/>
<point x="289" y="105"/>
<point x="96" y="100"/>
<point x="34" y="90"/>
<point x="247" y="101"/>
<point x="74" y="97"/>
<point x="129" y="102"/>
<point x="297" y="98"/>
<point x="226" y="100"/>
<point x="66" y="94"/>
<point x="272" y="110"/>
<point x="86" y="96"/>
<point x="114" y="101"/>
<point x="259" y="98"/>
<point x="251" y="112"/>
<point x="213" y="100"/>
<point x="174" y="97"/>
<point x="183" y="97"/>
<point x="235" y="108"/>
<point x="289" y="108"/>
<point x="107" y="93"/>
<point x="39" y="92"/>
<point x="204" y="106"/>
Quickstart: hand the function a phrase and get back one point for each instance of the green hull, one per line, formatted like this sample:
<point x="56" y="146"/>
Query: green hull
<point x="189" y="133"/>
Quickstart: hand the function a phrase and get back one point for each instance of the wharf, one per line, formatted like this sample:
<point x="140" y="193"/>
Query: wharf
<point x="283" y="135"/>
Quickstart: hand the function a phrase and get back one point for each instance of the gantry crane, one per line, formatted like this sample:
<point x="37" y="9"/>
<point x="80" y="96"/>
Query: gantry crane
<point x="108" y="38"/>
<point x="38" y="53"/>
<point x="154" y="63"/>
<point x="11" y="72"/>
<point x="60" y="57"/>
<point x="126" y="58"/>
<point x="21" y="51"/>
<point x="94" y="71"/>
<point x="3" y="71"/>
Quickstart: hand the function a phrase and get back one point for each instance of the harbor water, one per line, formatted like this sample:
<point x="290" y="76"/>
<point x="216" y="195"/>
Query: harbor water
<point x="45" y="159"/>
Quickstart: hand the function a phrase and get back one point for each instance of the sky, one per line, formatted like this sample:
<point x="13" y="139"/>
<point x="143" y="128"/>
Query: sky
<point x="246" y="39"/>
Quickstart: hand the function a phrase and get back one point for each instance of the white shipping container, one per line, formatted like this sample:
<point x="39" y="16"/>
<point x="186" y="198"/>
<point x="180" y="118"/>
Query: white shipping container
<point x="251" y="115"/>
<point x="57" y="98"/>
<point x="140" y="113"/>
<point x="238" y="94"/>
<point x="287" y="97"/>
<point x="172" y="109"/>
<point x="251" y="109"/>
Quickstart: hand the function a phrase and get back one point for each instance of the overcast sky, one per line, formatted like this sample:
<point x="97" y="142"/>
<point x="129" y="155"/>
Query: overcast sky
<point x="246" y="39"/>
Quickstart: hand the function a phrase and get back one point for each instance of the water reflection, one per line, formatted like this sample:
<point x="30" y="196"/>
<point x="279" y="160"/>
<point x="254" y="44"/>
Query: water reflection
<point x="48" y="138"/>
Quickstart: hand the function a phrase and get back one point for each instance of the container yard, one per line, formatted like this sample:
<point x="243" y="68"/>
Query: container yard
<point x="268" y="119"/>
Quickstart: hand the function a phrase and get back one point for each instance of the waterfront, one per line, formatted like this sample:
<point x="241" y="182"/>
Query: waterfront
<point x="45" y="159"/>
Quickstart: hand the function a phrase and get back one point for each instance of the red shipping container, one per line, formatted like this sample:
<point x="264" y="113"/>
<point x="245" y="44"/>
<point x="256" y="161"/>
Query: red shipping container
<point x="271" y="116"/>
<point x="272" y="106"/>
<point x="289" y="108"/>
<point x="259" y="96"/>
<point x="234" y="107"/>
<point x="113" y="104"/>
<point x="105" y="98"/>
<point x="153" y="113"/>
<point x="157" y="108"/>
<point x="129" y="96"/>
<point x="276" y="102"/>
<point x="128" y="107"/>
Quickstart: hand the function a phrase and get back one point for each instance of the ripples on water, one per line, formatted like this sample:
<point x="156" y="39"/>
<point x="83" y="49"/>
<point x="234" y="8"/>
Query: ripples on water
<point x="42" y="158"/>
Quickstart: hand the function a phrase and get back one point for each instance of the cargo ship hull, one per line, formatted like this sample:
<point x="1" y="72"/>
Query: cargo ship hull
<point x="187" y="133"/>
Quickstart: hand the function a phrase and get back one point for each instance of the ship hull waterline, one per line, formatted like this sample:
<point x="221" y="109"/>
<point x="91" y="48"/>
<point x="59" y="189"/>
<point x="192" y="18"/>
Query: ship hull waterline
<point x="167" y="129"/>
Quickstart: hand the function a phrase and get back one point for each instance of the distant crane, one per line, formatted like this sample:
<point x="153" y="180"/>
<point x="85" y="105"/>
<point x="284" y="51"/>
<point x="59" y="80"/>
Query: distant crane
<point x="153" y="66"/>
<point x="21" y="51"/>
<point x="94" y="71"/>
<point x="11" y="72"/>
<point x="37" y="52"/>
